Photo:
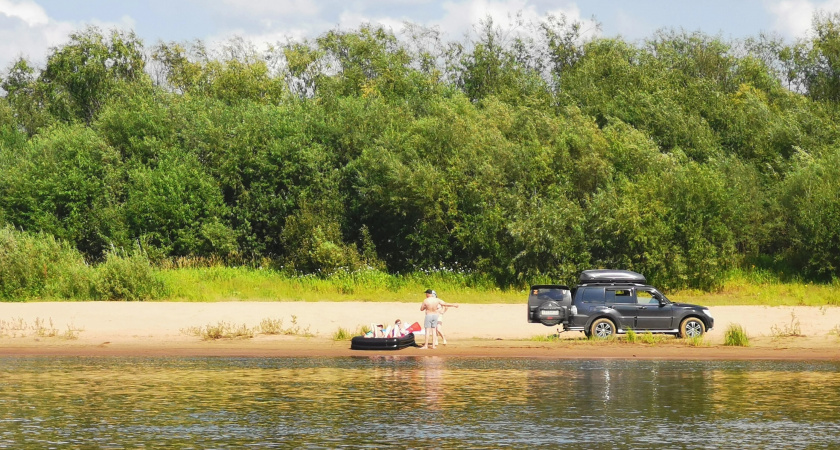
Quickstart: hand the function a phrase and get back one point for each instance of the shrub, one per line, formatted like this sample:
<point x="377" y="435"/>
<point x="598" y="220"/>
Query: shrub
<point x="35" y="265"/>
<point x="127" y="277"/>
<point x="736" y="336"/>
<point x="342" y="335"/>
<point x="271" y="326"/>
<point x="221" y="330"/>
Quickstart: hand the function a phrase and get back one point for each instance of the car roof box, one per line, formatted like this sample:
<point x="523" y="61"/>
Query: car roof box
<point x="611" y="276"/>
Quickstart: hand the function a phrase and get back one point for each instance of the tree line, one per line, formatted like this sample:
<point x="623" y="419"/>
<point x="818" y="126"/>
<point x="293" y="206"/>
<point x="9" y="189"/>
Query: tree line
<point x="526" y="153"/>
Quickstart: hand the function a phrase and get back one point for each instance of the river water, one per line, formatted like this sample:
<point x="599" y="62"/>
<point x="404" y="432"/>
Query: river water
<point x="415" y="402"/>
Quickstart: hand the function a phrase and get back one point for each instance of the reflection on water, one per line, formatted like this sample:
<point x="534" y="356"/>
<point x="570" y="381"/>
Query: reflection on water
<point x="398" y="401"/>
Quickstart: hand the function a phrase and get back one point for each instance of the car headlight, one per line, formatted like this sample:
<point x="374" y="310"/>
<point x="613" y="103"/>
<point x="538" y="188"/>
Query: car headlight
<point x="708" y="313"/>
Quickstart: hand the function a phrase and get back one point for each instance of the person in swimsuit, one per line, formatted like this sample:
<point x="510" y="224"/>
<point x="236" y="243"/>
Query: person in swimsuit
<point x="432" y="306"/>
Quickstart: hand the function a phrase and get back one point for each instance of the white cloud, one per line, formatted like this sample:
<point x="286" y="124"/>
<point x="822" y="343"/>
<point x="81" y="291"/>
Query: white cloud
<point x="28" y="32"/>
<point x="793" y="18"/>
<point x="261" y="8"/>
<point x="461" y="16"/>
<point x="26" y="11"/>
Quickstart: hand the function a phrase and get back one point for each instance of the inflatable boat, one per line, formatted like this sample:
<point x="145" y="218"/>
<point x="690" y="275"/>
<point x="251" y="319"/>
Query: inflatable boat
<point x="397" y="343"/>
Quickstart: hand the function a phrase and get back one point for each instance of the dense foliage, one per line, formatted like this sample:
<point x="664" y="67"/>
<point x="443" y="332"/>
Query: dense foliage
<point x="525" y="155"/>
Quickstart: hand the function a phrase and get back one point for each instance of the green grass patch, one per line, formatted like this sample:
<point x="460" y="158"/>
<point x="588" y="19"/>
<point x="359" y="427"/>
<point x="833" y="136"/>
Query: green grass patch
<point x="342" y="335"/>
<point x="218" y="283"/>
<point x="697" y="341"/>
<point x="651" y="339"/>
<point x="756" y="287"/>
<point x="736" y="336"/>
<point x="545" y="338"/>
<point x="37" y="267"/>
<point x="209" y="284"/>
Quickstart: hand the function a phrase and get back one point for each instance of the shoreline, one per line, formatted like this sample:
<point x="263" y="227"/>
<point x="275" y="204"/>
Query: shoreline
<point x="158" y="329"/>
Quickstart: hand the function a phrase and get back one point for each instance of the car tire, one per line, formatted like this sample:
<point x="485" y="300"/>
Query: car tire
<point x="602" y="328"/>
<point x="692" y="327"/>
<point x="555" y="319"/>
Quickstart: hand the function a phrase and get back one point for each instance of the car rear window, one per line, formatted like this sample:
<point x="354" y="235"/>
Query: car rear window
<point x="545" y="294"/>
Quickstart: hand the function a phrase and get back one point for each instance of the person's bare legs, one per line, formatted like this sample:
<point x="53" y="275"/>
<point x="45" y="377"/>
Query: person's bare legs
<point x="440" y="333"/>
<point x="434" y="337"/>
<point x="425" y="340"/>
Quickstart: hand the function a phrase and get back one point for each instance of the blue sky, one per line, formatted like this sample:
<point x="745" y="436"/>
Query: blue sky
<point x="29" y="28"/>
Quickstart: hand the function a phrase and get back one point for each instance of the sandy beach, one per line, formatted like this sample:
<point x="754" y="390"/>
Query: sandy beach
<point x="495" y="330"/>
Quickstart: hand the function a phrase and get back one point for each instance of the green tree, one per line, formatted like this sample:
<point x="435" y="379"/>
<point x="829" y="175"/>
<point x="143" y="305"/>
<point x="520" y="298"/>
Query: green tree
<point x="240" y="75"/>
<point x="26" y="98"/>
<point x="66" y="182"/>
<point x="80" y="76"/>
<point x="807" y="235"/>
<point x="815" y="65"/>
<point x="176" y="208"/>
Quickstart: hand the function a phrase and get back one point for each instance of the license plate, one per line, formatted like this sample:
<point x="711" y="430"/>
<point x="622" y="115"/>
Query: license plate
<point x="550" y="312"/>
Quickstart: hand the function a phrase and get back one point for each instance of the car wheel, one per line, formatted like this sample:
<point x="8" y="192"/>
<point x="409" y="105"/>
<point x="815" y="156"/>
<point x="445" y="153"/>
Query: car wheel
<point x="692" y="327"/>
<point x="551" y="313"/>
<point x="602" y="328"/>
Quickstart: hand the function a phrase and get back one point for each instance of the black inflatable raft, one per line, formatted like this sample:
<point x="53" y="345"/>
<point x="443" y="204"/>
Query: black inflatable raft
<point x="363" y="343"/>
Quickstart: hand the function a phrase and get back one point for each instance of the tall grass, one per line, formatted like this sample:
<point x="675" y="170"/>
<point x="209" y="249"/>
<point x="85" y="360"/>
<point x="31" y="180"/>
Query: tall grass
<point x="736" y="336"/>
<point x="370" y="285"/>
<point x="762" y="287"/>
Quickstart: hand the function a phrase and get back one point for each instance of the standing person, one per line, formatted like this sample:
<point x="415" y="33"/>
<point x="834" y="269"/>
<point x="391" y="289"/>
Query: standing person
<point x="432" y="305"/>
<point x="440" y="321"/>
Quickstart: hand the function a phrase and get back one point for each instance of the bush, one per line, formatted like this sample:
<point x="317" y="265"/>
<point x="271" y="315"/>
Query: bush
<point x="127" y="277"/>
<point x="36" y="265"/>
<point x="736" y="336"/>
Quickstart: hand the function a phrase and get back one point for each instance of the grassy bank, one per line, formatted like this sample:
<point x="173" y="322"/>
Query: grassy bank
<point x="230" y="284"/>
<point x="37" y="268"/>
<point x="760" y="288"/>
<point x="226" y="284"/>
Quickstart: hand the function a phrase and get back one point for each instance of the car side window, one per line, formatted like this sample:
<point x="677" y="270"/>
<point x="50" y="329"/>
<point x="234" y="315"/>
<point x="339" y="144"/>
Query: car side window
<point x="618" y="296"/>
<point x="645" y="297"/>
<point x="592" y="295"/>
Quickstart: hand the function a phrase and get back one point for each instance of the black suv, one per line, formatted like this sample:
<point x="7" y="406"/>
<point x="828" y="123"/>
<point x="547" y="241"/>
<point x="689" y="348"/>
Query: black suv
<point x="607" y="302"/>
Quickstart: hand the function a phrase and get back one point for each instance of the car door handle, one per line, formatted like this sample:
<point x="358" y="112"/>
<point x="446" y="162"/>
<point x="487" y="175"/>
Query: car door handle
<point x="643" y="307"/>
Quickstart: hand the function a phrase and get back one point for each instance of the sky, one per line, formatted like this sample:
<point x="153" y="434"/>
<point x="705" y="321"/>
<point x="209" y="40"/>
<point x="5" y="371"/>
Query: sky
<point x="30" y="28"/>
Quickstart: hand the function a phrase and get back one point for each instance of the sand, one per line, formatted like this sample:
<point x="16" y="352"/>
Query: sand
<point x="495" y="330"/>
